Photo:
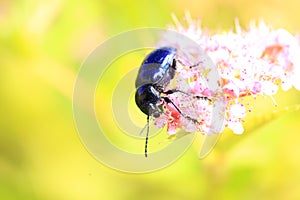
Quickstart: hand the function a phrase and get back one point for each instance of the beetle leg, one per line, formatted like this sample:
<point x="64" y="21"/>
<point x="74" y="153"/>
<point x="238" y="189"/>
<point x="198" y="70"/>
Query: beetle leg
<point x="194" y="96"/>
<point x="174" y="64"/>
<point x="191" y="66"/>
<point x="167" y="100"/>
<point x="195" y="65"/>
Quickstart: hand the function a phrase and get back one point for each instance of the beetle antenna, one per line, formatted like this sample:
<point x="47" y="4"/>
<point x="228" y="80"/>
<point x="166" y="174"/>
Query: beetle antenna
<point x="146" y="143"/>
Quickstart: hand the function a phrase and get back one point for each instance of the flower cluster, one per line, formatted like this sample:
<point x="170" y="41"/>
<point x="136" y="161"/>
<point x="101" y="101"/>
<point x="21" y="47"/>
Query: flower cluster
<point x="255" y="61"/>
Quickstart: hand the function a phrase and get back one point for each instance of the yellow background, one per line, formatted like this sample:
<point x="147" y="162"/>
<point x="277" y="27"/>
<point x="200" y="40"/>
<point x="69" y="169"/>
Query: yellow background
<point x="42" y="45"/>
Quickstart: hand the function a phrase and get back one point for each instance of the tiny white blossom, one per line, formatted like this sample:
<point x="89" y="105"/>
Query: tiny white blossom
<point x="255" y="61"/>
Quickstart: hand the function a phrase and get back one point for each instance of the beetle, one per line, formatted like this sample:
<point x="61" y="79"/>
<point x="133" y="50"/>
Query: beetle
<point x="155" y="73"/>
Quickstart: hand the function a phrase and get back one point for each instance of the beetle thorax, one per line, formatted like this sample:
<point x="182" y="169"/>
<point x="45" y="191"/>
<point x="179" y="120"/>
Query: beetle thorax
<point x="147" y="98"/>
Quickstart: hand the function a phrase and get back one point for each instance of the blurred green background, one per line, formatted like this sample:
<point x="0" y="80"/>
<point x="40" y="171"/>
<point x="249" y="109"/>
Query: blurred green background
<point x="42" y="45"/>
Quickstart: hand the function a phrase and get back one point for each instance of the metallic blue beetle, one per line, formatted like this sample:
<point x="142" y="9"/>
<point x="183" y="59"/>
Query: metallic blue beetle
<point x="155" y="73"/>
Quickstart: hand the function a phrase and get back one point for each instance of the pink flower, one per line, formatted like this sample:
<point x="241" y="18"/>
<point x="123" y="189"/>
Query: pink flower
<point x="256" y="61"/>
